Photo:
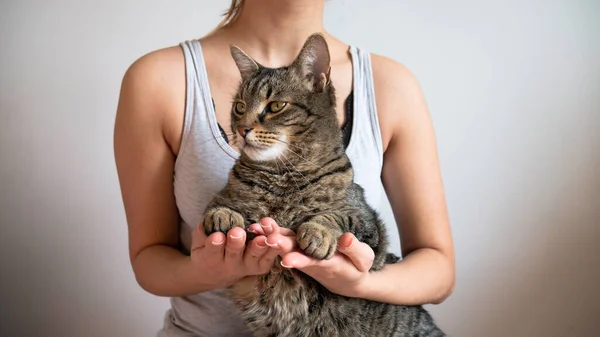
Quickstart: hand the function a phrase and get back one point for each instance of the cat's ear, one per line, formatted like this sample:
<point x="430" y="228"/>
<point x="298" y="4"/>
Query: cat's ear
<point x="313" y="61"/>
<point x="245" y="63"/>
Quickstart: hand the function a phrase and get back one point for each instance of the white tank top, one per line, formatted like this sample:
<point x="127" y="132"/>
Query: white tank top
<point x="201" y="171"/>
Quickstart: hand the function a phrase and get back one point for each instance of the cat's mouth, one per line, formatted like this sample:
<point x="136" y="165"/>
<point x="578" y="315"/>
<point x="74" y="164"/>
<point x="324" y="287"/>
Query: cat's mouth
<point x="255" y="145"/>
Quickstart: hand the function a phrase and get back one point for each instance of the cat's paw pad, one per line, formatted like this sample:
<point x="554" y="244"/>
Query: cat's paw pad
<point x="222" y="220"/>
<point x="317" y="240"/>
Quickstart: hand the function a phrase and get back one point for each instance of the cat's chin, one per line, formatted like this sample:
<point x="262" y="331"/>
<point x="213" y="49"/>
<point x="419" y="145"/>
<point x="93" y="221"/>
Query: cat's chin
<point x="263" y="154"/>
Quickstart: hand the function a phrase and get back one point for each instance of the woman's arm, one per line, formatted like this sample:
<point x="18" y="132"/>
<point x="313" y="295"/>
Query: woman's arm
<point x="145" y="167"/>
<point x="412" y="179"/>
<point x="152" y="95"/>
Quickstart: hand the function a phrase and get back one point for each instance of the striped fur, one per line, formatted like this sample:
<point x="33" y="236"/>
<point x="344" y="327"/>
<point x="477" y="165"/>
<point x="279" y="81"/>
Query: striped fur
<point x="308" y="187"/>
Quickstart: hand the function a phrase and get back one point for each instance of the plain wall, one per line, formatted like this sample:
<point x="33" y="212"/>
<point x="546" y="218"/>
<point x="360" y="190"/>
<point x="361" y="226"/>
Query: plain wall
<point x="514" y="92"/>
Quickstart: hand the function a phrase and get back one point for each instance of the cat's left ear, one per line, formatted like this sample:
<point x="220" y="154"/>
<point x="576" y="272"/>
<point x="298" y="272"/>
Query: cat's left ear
<point x="245" y="63"/>
<point x="313" y="62"/>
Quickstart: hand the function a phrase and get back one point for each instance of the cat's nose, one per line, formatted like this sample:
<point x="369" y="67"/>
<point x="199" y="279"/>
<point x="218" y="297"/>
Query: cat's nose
<point x="244" y="130"/>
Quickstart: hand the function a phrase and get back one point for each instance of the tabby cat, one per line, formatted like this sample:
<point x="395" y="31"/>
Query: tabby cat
<point x="293" y="168"/>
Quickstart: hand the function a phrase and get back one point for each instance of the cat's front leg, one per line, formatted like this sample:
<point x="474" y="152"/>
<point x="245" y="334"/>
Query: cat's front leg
<point x="319" y="236"/>
<point x="222" y="219"/>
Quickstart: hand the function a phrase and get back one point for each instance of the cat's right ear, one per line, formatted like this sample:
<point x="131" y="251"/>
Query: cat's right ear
<point x="313" y="62"/>
<point x="245" y="63"/>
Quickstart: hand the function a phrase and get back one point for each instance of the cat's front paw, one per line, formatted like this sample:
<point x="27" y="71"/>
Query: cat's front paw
<point x="222" y="219"/>
<point x="317" y="240"/>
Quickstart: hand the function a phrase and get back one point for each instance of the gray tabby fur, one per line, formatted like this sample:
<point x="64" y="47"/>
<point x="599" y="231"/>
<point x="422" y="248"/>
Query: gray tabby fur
<point x="306" y="184"/>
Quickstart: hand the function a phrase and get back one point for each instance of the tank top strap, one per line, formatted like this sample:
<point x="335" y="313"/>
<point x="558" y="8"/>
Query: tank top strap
<point x="365" y="116"/>
<point x="200" y="119"/>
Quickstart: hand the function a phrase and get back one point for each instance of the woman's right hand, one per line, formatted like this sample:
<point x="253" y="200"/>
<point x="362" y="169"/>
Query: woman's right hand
<point x="227" y="259"/>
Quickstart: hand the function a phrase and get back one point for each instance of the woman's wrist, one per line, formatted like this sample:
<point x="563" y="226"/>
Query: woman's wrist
<point x="422" y="277"/>
<point x="165" y="271"/>
<point x="371" y="287"/>
<point x="205" y="278"/>
<point x="193" y="274"/>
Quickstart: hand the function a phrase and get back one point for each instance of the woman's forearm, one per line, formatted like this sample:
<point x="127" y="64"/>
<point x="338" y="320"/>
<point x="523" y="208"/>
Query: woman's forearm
<point x="165" y="271"/>
<point x="424" y="276"/>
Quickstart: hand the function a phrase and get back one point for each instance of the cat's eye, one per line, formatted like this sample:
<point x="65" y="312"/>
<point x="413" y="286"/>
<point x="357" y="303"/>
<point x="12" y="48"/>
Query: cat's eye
<point x="240" y="108"/>
<point x="277" y="106"/>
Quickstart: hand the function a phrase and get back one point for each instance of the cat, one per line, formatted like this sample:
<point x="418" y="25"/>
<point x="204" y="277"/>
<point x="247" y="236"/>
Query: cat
<point x="293" y="168"/>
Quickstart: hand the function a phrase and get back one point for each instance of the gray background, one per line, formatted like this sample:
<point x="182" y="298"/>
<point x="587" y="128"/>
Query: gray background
<point x="514" y="91"/>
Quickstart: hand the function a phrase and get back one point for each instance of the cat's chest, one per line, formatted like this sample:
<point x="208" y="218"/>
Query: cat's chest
<point x="286" y="198"/>
<point x="288" y="210"/>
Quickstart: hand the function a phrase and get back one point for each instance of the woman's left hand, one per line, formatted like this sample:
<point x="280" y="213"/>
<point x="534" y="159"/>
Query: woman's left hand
<point x="346" y="273"/>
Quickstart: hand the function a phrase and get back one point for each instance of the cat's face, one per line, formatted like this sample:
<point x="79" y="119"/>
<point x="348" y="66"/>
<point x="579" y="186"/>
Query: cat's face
<point x="274" y="109"/>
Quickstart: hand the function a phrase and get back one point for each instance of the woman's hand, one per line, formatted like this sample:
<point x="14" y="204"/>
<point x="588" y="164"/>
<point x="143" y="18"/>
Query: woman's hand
<point x="228" y="259"/>
<point x="346" y="273"/>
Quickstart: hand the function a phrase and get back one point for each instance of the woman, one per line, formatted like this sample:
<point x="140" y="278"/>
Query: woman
<point x="172" y="156"/>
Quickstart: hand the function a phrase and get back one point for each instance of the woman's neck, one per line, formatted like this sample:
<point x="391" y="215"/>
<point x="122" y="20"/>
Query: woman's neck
<point x="273" y="31"/>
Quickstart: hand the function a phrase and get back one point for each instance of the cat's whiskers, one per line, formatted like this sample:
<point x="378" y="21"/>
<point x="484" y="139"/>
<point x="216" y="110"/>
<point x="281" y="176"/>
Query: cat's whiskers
<point x="294" y="152"/>
<point x="289" y="144"/>
<point x="277" y="165"/>
<point x="303" y="176"/>
<point x="290" y="172"/>
<point x="312" y="163"/>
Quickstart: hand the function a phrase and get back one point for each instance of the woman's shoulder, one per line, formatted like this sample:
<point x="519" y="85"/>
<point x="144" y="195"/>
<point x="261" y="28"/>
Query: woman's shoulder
<point x="156" y="70"/>
<point x="391" y="77"/>
<point x="398" y="95"/>
<point x="155" y="83"/>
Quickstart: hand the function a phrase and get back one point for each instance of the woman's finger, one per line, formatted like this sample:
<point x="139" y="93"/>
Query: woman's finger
<point x="297" y="259"/>
<point x="269" y="226"/>
<point x="358" y="252"/>
<point x="279" y="245"/>
<point x="214" y="249"/>
<point x="256" y="229"/>
<point x="285" y="244"/>
<point x="235" y="245"/>
<point x="255" y="250"/>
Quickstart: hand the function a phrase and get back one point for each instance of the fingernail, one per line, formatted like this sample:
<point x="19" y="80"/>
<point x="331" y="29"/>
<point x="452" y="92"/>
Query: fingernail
<point x="267" y="226"/>
<point x="284" y="266"/>
<point x="272" y="244"/>
<point x="251" y="231"/>
<point x="348" y="246"/>
<point x="261" y="243"/>
<point x="236" y="237"/>
<point x="217" y="243"/>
